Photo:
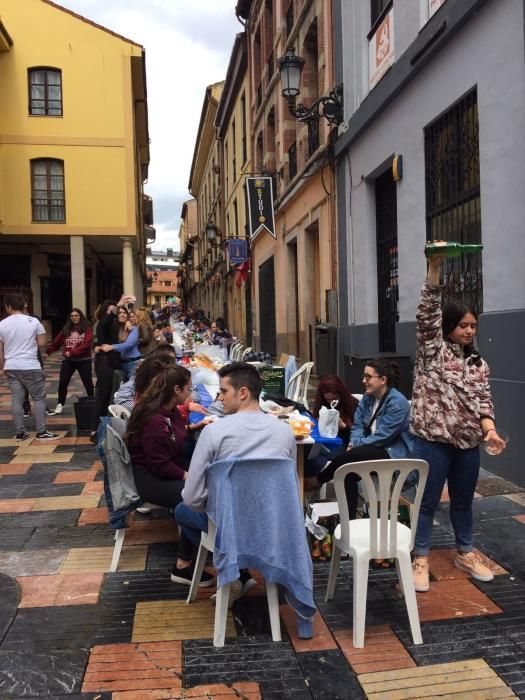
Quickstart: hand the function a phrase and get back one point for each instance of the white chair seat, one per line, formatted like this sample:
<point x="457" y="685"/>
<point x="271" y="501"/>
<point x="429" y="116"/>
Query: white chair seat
<point x="360" y="536"/>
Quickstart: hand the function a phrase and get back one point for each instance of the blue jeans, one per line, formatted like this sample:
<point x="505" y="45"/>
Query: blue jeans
<point x="461" y="469"/>
<point x="192" y="523"/>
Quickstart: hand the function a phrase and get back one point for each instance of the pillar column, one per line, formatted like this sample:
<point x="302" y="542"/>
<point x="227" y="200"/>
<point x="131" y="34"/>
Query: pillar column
<point x="78" y="273"/>
<point x="128" y="273"/>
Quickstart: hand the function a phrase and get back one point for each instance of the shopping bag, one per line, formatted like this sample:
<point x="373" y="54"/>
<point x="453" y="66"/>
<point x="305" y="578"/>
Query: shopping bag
<point x="329" y="421"/>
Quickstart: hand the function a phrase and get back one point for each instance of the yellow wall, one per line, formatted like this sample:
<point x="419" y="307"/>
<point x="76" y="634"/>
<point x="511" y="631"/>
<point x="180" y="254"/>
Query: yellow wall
<point x="94" y="136"/>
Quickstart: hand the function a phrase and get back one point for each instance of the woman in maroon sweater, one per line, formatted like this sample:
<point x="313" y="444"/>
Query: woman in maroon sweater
<point x="76" y="337"/>
<point x="155" y="437"/>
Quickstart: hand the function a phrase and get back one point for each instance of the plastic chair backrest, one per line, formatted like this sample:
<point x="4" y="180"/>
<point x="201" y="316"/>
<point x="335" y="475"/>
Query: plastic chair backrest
<point x="118" y="411"/>
<point x="385" y="488"/>
<point x="297" y="388"/>
<point x="245" y="352"/>
<point x="235" y="352"/>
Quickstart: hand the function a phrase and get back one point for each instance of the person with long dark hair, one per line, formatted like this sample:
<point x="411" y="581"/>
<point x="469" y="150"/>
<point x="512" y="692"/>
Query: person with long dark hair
<point x="452" y="413"/>
<point x="379" y="430"/>
<point x="107" y="332"/>
<point x="332" y="389"/>
<point x="127" y="345"/>
<point x="76" y="338"/>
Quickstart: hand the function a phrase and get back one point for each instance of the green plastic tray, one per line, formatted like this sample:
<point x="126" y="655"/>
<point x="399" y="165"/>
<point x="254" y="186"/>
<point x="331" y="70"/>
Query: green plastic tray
<point x="452" y="250"/>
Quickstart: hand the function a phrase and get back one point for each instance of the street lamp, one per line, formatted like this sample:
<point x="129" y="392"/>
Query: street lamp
<point x="330" y="106"/>
<point x="212" y="232"/>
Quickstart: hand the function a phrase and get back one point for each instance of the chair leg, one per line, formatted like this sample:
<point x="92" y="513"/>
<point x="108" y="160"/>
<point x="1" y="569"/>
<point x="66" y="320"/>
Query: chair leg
<point x="407" y="583"/>
<point x="119" y="541"/>
<point x="399" y="577"/>
<point x="359" y="600"/>
<point x="197" y="573"/>
<point x="334" y="568"/>
<point x="221" y="615"/>
<point x="273" y="609"/>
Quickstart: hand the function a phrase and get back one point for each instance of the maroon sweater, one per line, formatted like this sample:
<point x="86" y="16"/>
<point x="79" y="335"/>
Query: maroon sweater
<point x="159" y="447"/>
<point x="78" y="345"/>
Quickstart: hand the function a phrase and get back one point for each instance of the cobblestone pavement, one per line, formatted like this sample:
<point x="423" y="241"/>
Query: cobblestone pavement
<point x="69" y="629"/>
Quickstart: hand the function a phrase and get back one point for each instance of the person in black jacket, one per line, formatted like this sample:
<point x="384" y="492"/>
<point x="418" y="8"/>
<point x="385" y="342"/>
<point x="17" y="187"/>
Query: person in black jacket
<point x="105" y="362"/>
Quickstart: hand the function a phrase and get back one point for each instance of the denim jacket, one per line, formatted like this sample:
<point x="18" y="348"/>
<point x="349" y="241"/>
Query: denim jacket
<point x="391" y="425"/>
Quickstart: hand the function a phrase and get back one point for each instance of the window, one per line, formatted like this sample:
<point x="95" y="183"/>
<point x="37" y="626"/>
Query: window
<point x="226" y="167"/>
<point x="453" y="207"/>
<point x="243" y="132"/>
<point x="234" y="152"/>
<point x="47" y="190"/>
<point x="45" y="91"/>
<point x="377" y="9"/>
<point x="167" y="283"/>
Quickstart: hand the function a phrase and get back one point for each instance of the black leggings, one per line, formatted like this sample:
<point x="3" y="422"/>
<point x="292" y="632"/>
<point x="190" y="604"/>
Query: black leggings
<point x="103" y="389"/>
<point x="163" y="492"/>
<point x="67" y="369"/>
<point x="364" y="453"/>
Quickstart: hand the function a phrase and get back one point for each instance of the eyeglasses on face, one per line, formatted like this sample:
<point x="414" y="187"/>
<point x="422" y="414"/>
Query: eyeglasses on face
<point x="368" y="377"/>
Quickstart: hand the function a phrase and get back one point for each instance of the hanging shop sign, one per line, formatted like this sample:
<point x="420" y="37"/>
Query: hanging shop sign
<point x="260" y="205"/>
<point x="381" y="50"/>
<point x="237" y="250"/>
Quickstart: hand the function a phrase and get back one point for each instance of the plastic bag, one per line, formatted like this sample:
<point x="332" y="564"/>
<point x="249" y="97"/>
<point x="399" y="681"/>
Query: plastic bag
<point x="329" y="421"/>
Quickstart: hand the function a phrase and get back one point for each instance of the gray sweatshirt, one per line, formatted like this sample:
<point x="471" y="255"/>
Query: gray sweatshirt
<point x="243" y="435"/>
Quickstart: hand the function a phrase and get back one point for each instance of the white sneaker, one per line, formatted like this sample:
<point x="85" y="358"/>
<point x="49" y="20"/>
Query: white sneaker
<point x="59" y="409"/>
<point x="144" y="509"/>
<point x="235" y="593"/>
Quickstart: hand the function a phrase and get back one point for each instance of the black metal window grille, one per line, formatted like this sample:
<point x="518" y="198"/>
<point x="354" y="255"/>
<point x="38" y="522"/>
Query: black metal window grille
<point x="313" y="137"/>
<point x="387" y="261"/>
<point x="292" y="160"/>
<point x="45" y="92"/>
<point x="47" y="190"/>
<point x="234" y="151"/>
<point x="453" y="206"/>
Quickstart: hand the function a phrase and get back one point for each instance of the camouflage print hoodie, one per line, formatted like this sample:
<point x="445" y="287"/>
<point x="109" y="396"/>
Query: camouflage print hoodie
<point x="451" y="394"/>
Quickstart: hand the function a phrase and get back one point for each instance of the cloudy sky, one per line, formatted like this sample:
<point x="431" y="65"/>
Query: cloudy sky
<point x="188" y="46"/>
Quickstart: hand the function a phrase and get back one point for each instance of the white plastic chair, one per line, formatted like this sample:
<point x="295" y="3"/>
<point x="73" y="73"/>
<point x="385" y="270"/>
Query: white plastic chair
<point x="245" y="352"/>
<point x="236" y="351"/>
<point x="223" y="593"/>
<point x="118" y="411"/>
<point x="377" y="537"/>
<point x="297" y="388"/>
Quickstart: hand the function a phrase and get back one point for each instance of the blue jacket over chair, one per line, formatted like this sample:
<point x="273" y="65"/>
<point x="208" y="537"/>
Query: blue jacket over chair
<point x="391" y="425"/>
<point x="260" y="525"/>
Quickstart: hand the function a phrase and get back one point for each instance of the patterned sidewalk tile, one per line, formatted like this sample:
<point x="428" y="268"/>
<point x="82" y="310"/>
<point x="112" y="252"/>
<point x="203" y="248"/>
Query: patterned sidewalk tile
<point x="463" y="679"/>
<point x="456" y="598"/>
<point x="235" y="691"/>
<point x="35" y="449"/>
<point x="322" y="638"/>
<point x="383" y="651"/>
<point x="134" y="667"/>
<point x="98" y="559"/>
<point x="93" y="488"/>
<point x="518" y="498"/>
<point x="441" y="563"/>
<point x="7" y="469"/>
<point x="152" y="532"/>
<point x="38" y="458"/>
<point x="65" y="502"/>
<point x="19" y="505"/>
<point x="175" y="619"/>
<point x="42" y="591"/>
<point x="79" y="476"/>
<point x="43" y="562"/>
<point x="92" y="516"/>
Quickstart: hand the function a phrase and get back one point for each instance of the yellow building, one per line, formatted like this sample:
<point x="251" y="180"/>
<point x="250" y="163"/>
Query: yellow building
<point x="73" y="156"/>
<point x="234" y="137"/>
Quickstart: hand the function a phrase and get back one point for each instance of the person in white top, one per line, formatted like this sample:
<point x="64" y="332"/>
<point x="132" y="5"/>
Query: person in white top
<point x="20" y="337"/>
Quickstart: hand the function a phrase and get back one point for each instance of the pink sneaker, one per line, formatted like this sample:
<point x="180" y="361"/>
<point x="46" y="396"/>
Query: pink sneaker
<point x="420" y="575"/>
<point x="472" y="564"/>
